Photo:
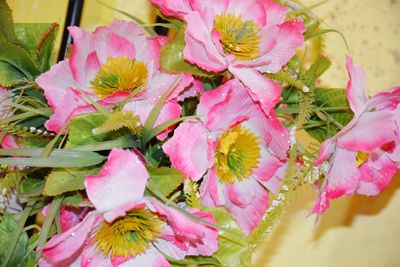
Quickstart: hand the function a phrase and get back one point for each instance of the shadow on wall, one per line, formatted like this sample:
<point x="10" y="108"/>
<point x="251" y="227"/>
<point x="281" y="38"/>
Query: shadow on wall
<point x="356" y="205"/>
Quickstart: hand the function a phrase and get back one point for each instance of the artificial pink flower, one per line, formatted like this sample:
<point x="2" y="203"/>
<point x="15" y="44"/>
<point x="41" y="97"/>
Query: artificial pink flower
<point x="236" y="148"/>
<point x="245" y="37"/>
<point x="364" y="156"/>
<point x="69" y="216"/>
<point x="108" y="65"/>
<point x="126" y="228"/>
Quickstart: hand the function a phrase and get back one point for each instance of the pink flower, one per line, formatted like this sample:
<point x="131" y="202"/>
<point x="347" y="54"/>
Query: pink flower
<point x="364" y="156"/>
<point x="235" y="148"/>
<point x="108" y="65"/>
<point x="69" y="216"/>
<point x="126" y="228"/>
<point x="245" y="37"/>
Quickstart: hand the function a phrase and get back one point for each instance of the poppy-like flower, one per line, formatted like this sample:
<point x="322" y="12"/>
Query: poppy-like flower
<point x="246" y="37"/>
<point x="109" y="65"/>
<point x="69" y="215"/>
<point x="236" y="148"/>
<point x="364" y="156"/>
<point x="126" y="228"/>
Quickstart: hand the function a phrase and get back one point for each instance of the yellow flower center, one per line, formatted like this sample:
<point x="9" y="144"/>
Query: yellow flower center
<point x="128" y="236"/>
<point x="237" y="154"/>
<point x="361" y="158"/>
<point x="120" y="74"/>
<point x="238" y="37"/>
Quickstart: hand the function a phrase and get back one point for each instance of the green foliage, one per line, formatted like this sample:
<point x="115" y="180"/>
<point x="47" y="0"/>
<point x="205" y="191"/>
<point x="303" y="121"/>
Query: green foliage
<point x="121" y="119"/>
<point x="66" y="180"/>
<point x="44" y="53"/>
<point x="172" y="57"/>
<point x="9" y="75"/>
<point x="81" y="131"/>
<point x="233" y="248"/>
<point x="8" y="226"/>
<point x="334" y="113"/>
<point x="164" y="180"/>
<point x="6" y="23"/>
<point x="31" y="187"/>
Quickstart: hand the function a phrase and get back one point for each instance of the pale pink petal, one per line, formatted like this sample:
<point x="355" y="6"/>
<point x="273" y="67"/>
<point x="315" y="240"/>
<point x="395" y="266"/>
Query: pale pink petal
<point x="212" y="189"/>
<point x="242" y="193"/>
<point x="169" y="247"/>
<point x="200" y="49"/>
<point x="274" y="184"/>
<point x="249" y="10"/>
<point x="326" y="150"/>
<point x="376" y="174"/>
<point x="64" y="248"/>
<point x="361" y="137"/>
<point x="171" y="110"/>
<point x="267" y="166"/>
<point x="120" y="183"/>
<point x="196" y="89"/>
<point x="151" y="258"/>
<point x="261" y="89"/>
<point x="9" y="142"/>
<point x="356" y="92"/>
<point x="275" y="12"/>
<point x="177" y="8"/>
<point x="249" y="217"/>
<point x="91" y="257"/>
<point x="71" y="216"/>
<point x="188" y="149"/>
<point x="161" y="82"/>
<point x="287" y="40"/>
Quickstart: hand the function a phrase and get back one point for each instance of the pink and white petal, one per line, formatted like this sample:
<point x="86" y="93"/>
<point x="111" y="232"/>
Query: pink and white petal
<point x="62" y="111"/>
<point x="188" y="149"/>
<point x="91" y="257"/>
<point x="151" y="258"/>
<point x="64" y="248"/>
<point x="120" y="183"/>
<point x="267" y="166"/>
<point x="287" y="40"/>
<point x="113" y="45"/>
<point x="343" y="174"/>
<point x="169" y="248"/>
<point x="171" y="110"/>
<point x="69" y="217"/>
<point x="196" y="89"/>
<point x="178" y="8"/>
<point x="161" y="82"/>
<point x="376" y="174"/>
<point x="361" y="137"/>
<point x="9" y="142"/>
<point x="208" y="9"/>
<point x="55" y="82"/>
<point x="274" y="183"/>
<point x="212" y="189"/>
<point x="242" y="193"/>
<point x="261" y="89"/>
<point x="200" y="48"/>
<point x="214" y="97"/>
<point x="356" y="92"/>
<point x="275" y="12"/>
<point x="326" y="150"/>
<point x="251" y="10"/>
<point x="250" y="216"/>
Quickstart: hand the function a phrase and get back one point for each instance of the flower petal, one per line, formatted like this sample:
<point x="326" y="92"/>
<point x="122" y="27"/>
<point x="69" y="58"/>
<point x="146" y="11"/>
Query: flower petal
<point x="120" y="183"/>
<point x="177" y="8"/>
<point x="188" y="149"/>
<point x="150" y="258"/>
<point x="356" y="92"/>
<point x="361" y="137"/>
<point x="275" y="12"/>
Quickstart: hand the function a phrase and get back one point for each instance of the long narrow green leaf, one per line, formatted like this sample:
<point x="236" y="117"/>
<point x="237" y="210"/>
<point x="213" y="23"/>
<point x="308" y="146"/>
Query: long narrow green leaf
<point x="122" y="142"/>
<point x="162" y="127"/>
<point x="325" y="31"/>
<point x="17" y="233"/>
<point x="148" y="125"/>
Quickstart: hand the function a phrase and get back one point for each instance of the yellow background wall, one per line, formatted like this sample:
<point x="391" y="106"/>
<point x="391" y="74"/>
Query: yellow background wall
<point x="355" y="231"/>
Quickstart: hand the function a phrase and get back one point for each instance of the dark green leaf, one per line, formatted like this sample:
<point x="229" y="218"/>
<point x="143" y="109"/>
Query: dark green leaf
<point x="66" y="180"/>
<point x="9" y="75"/>
<point x="31" y="187"/>
<point x="8" y="226"/>
<point x="44" y="52"/>
<point x="317" y="69"/>
<point x="19" y="59"/>
<point x="29" y="34"/>
<point x="164" y="179"/>
<point x="6" y="23"/>
<point x="172" y="57"/>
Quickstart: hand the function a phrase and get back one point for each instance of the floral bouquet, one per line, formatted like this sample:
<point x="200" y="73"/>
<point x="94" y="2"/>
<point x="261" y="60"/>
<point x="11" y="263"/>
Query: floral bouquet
<point x="145" y="150"/>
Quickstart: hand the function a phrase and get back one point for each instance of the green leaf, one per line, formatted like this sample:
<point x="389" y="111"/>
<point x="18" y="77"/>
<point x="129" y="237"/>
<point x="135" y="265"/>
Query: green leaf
<point x="73" y="200"/>
<point x="334" y="103"/>
<point x="66" y="180"/>
<point x="8" y="226"/>
<point x="44" y="52"/>
<point x="6" y="23"/>
<point x="29" y="34"/>
<point x="164" y="179"/>
<point x="9" y="75"/>
<point x="31" y="187"/>
<point x="233" y="249"/>
<point x="321" y="65"/>
<point x="172" y="57"/>
<point x="19" y="59"/>
<point x="81" y="131"/>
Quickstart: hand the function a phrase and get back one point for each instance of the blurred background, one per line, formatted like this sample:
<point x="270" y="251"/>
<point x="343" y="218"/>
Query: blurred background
<point x="355" y="231"/>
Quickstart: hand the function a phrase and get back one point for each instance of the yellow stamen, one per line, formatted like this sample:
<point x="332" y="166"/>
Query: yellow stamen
<point x="119" y="74"/>
<point x="238" y="37"/>
<point x="237" y="154"/>
<point x="361" y="158"/>
<point x="128" y="236"/>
